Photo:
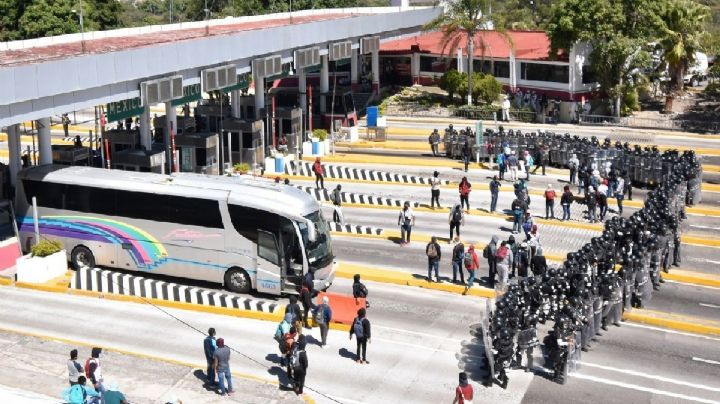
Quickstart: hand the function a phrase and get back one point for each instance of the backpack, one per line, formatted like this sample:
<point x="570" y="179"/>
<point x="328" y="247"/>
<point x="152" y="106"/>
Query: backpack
<point x="432" y="251"/>
<point x="486" y="251"/>
<point x="319" y="316"/>
<point x="295" y="360"/>
<point x="77" y="394"/>
<point x="457" y="214"/>
<point x="293" y="314"/>
<point x="527" y="226"/>
<point x="458" y="252"/>
<point x="358" y="328"/>
<point x="468" y="260"/>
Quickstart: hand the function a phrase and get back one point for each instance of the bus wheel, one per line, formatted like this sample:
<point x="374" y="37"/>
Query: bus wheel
<point x="82" y="257"/>
<point x="237" y="280"/>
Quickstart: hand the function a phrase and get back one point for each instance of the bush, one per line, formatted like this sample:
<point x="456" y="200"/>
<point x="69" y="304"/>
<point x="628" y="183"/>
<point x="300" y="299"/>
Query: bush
<point x="241" y="167"/>
<point x="321" y="134"/>
<point x="451" y="82"/>
<point x="712" y="90"/>
<point x="486" y="88"/>
<point x="45" y="248"/>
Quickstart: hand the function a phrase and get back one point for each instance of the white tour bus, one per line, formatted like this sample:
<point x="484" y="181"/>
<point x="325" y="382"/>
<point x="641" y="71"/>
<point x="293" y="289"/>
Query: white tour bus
<point x="244" y="233"/>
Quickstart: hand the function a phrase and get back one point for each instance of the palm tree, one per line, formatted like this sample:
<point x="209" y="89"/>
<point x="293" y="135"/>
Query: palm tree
<point x="683" y="26"/>
<point x="462" y="20"/>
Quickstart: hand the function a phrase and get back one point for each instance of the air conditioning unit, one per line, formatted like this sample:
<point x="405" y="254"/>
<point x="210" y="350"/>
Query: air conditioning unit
<point x="340" y="50"/>
<point x="307" y="57"/>
<point x="221" y="78"/>
<point x="231" y="75"/>
<point x="176" y="87"/>
<point x="258" y="67"/>
<point x="210" y="80"/>
<point x="300" y="58"/>
<point x="165" y="89"/>
<point x="369" y="44"/>
<point x="151" y="94"/>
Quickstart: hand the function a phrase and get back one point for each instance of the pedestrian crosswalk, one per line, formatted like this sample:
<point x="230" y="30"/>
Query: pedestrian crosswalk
<point x="323" y="195"/>
<point x="120" y="283"/>
<point x="304" y="168"/>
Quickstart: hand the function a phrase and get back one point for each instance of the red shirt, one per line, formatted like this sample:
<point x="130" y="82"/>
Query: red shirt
<point x="467" y="391"/>
<point x="550" y="195"/>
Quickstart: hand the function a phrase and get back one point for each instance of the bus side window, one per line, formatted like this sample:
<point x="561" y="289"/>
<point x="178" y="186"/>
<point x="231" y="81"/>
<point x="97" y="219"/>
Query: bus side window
<point x="267" y="247"/>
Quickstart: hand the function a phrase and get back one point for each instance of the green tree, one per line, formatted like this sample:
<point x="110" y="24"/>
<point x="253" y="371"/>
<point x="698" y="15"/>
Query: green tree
<point x="450" y="81"/>
<point x="522" y="14"/>
<point x="684" y="23"/>
<point x="41" y="18"/>
<point x="105" y="14"/>
<point x="486" y="88"/>
<point x="462" y="20"/>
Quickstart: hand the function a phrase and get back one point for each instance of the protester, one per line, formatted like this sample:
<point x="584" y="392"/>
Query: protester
<point x="458" y="254"/>
<point x="317" y="168"/>
<point x="494" y="193"/>
<point x="299" y="363"/>
<point x="512" y="163"/>
<point x="282" y="329"/>
<point x="490" y="253"/>
<point x="573" y="164"/>
<point x="221" y="358"/>
<point x="456" y="218"/>
<point x="93" y="369"/>
<point x="113" y="395"/>
<point x="566" y="200"/>
<point x="591" y="202"/>
<point x="549" y="202"/>
<point x="79" y="393"/>
<point x="434" y="140"/>
<point x="504" y="260"/>
<point x="359" y="290"/>
<point x="293" y="308"/>
<point x="602" y="201"/>
<point x="464" y="188"/>
<point x="336" y="199"/>
<point x="406" y="221"/>
<point x="322" y="317"/>
<point x="464" y="391"/>
<point x="472" y="264"/>
<point x="502" y="165"/>
<point x="307" y="304"/>
<point x="435" y="190"/>
<point x="75" y="369"/>
<point x="620" y="193"/>
<point x="517" y="211"/>
<point x="209" y="346"/>
<point x="538" y="264"/>
<point x="467" y="154"/>
<point x="361" y="330"/>
<point x="432" y="250"/>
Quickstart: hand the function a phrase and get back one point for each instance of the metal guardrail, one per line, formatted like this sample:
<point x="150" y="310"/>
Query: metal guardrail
<point x="652" y="123"/>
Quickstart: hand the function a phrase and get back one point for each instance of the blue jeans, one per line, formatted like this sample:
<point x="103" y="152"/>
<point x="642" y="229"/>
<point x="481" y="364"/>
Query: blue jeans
<point x="620" y="204"/>
<point x="222" y="375"/>
<point x="466" y="160"/>
<point x="433" y="265"/>
<point x="516" y="222"/>
<point x="210" y="371"/>
<point x="458" y="269"/>
<point x="493" y="201"/>
<point x="566" y="212"/>
<point x="405" y="229"/>
<point x="471" y="278"/>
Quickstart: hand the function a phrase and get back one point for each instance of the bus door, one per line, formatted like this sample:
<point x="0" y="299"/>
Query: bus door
<point x="292" y="262"/>
<point x="269" y="259"/>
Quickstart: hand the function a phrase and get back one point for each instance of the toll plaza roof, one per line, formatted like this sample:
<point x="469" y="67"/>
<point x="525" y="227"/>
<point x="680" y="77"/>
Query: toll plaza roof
<point x="42" y="53"/>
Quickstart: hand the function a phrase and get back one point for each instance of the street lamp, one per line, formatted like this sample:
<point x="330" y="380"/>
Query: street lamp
<point x="82" y="26"/>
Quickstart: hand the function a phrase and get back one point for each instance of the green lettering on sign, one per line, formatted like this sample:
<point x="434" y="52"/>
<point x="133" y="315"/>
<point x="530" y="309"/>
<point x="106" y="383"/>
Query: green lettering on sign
<point x="118" y="111"/>
<point x="191" y="93"/>
<point x="243" y="82"/>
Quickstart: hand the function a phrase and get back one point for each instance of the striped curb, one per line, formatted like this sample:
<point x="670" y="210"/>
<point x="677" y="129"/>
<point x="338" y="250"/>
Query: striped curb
<point x="104" y="281"/>
<point x="351" y="229"/>
<point x="84" y="139"/>
<point x="334" y="171"/>
<point x="323" y="195"/>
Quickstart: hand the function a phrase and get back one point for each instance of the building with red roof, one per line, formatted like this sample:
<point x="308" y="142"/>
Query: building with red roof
<point x="520" y="60"/>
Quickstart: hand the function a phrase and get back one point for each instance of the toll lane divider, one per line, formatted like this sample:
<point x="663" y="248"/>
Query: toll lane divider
<point x="105" y="281"/>
<point x="323" y="195"/>
<point x="333" y="171"/>
<point x="353" y="229"/>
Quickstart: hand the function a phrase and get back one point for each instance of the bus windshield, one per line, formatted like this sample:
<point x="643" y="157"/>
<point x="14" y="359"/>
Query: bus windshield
<point x="319" y="252"/>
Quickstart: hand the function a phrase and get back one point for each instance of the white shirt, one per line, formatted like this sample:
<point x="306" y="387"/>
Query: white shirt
<point x="406" y="214"/>
<point x="435" y="183"/>
<point x="506" y="104"/>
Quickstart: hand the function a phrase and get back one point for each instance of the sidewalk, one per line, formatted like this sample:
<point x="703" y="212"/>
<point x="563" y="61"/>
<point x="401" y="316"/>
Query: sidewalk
<point x="37" y="366"/>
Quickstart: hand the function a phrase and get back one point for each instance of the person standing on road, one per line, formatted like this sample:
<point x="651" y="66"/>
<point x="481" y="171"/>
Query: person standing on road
<point x="336" y="199"/>
<point x="94" y="371"/>
<point x="75" y="369"/>
<point x="467" y="153"/>
<point x="517" y="212"/>
<point x="317" y="168"/>
<point x="464" y="188"/>
<point x="490" y="253"/>
<point x="456" y="218"/>
<point x="458" y="254"/>
<point x="322" y="317"/>
<point x="494" y="193"/>
<point x="435" y="190"/>
<point x="360" y="291"/>
<point x="221" y="358"/>
<point x="361" y="329"/>
<point x="209" y="346"/>
<point x="512" y="163"/>
<point x="620" y="193"/>
<point x="299" y="363"/>
<point x="464" y="391"/>
<point x="504" y="260"/>
<point x="602" y="201"/>
<point x="573" y="165"/>
<point x="628" y="187"/>
<point x="434" y="141"/>
<point x="538" y="264"/>
<point x="529" y="161"/>
<point x="307" y="304"/>
<point x="293" y="309"/>
<point x="472" y="264"/>
<point x="432" y="250"/>
<point x="502" y="165"/>
<point x="406" y="221"/>
<point x="566" y="200"/>
<point x="66" y="124"/>
<point x="549" y="202"/>
<point x="591" y="202"/>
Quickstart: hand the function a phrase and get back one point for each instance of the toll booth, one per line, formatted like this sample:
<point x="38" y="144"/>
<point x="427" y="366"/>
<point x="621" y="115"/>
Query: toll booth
<point x="184" y="125"/>
<point x="198" y="152"/>
<point x="209" y="115"/>
<point x="288" y="122"/>
<point x="121" y="139"/>
<point x="70" y="155"/>
<point x="245" y="140"/>
<point x="140" y="160"/>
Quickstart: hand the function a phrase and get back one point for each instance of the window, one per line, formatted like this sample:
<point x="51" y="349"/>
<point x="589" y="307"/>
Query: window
<point x="543" y="72"/>
<point x="247" y="221"/>
<point x="267" y="247"/>
<point x="136" y="205"/>
<point x="496" y="68"/>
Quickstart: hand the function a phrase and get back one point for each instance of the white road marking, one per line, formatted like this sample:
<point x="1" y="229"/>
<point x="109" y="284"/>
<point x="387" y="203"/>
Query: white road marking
<point x="712" y="362"/>
<point x="427" y="348"/>
<point x="641" y="388"/>
<point x="685" y="334"/>
<point x="650" y="376"/>
<point x="695" y="285"/>
<point x="422" y="334"/>
<point x="714" y="306"/>
<point x="704" y="227"/>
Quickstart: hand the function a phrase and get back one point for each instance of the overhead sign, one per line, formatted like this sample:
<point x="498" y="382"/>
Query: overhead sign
<point x="286" y="67"/>
<point x="121" y="110"/>
<point x="243" y="83"/>
<point x="191" y="93"/>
